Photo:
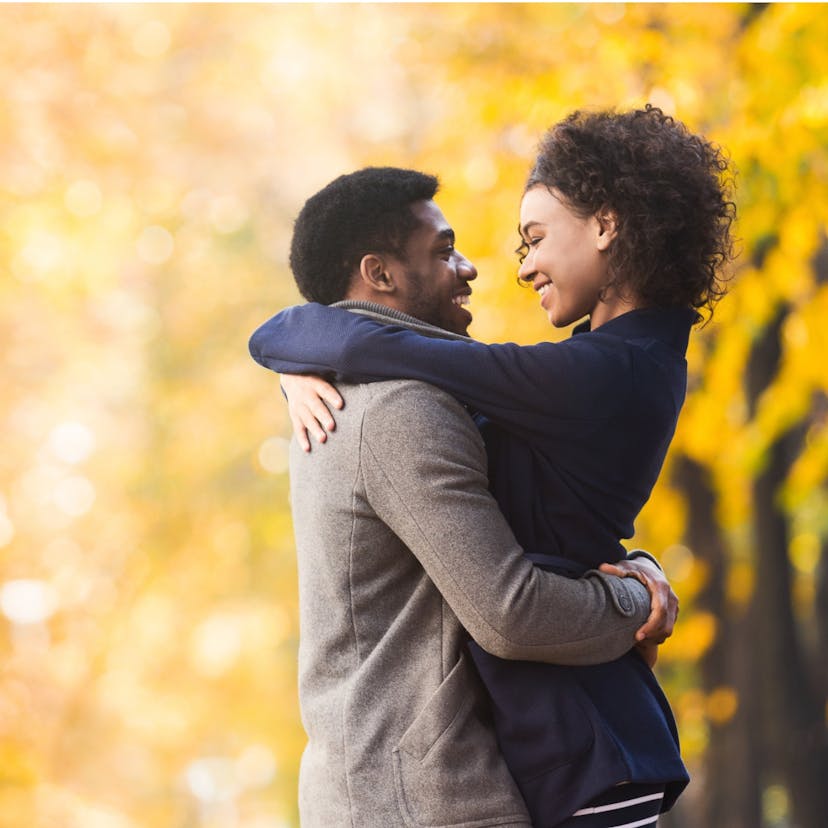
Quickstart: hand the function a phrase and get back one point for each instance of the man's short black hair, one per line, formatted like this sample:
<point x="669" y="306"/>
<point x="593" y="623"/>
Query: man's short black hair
<point x="368" y="211"/>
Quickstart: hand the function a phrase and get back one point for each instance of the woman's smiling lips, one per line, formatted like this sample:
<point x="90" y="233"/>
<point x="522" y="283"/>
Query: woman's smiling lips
<point x="542" y="290"/>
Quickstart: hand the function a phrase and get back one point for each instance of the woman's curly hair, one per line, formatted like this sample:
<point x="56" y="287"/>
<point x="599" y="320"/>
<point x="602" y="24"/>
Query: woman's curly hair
<point x="668" y="188"/>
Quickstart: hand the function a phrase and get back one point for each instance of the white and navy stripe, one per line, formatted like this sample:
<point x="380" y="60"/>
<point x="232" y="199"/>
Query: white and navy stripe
<point x="625" y="806"/>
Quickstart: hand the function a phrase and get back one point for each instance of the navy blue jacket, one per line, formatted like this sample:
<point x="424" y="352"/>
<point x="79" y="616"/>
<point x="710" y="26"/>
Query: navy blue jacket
<point x="576" y="434"/>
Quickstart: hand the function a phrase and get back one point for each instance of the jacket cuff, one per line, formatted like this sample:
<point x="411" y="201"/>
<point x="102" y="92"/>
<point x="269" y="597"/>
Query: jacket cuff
<point x="629" y="596"/>
<point x="641" y="553"/>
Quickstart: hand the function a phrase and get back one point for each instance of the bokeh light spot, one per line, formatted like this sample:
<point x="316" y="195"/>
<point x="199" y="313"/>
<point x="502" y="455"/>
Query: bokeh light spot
<point x="72" y="442"/>
<point x="227" y="214"/>
<point x="256" y="767"/>
<point x="6" y="529"/>
<point x="775" y="804"/>
<point x="273" y="455"/>
<point x="722" y="704"/>
<point x="27" y="601"/>
<point x="155" y="245"/>
<point x="151" y="39"/>
<point x="83" y="199"/>
<point x="212" y="779"/>
<point x="678" y="562"/>
<point x="42" y="253"/>
<point x="805" y="552"/>
<point x="480" y="173"/>
<point x="663" y="99"/>
<point x="216" y="645"/>
<point x="74" y="495"/>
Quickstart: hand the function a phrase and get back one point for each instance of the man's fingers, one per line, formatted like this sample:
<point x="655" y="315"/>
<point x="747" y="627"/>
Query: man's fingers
<point x="653" y="628"/>
<point x="649" y="652"/>
<point x="661" y="621"/>
<point x="663" y="601"/>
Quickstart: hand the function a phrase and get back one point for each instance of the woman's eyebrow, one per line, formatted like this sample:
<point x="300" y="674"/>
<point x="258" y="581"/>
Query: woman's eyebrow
<point x="526" y="227"/>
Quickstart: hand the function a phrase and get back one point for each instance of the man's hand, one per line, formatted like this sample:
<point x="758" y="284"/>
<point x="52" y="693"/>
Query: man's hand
<point x="664" y="604"/>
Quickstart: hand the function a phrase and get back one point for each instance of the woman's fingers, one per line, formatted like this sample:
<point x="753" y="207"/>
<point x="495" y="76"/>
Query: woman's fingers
<point x="300" y="432"/>
<point x="308" y="400"/>
<point x="329" y="393"/>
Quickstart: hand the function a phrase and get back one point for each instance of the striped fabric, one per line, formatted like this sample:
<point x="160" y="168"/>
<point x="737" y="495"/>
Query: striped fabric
<point x="625" y="806"/>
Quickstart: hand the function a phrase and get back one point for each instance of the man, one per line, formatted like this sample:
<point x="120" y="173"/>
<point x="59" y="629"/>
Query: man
<point x="402" y="550"/>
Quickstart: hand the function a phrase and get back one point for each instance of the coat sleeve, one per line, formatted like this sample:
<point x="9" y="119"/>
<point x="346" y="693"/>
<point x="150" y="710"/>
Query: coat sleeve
<point x="424" y="471"/>
<point x="519" y="387"/>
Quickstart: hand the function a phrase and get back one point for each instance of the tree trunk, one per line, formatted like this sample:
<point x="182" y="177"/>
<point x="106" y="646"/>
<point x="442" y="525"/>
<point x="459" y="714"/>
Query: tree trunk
<point x="791" y="716"/>
<point x="732" y="761"/>
<point x="794" y="720"/>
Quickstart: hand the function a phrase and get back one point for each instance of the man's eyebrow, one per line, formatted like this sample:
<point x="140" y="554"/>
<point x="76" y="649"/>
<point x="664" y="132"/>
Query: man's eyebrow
<point x="447" y="234"/>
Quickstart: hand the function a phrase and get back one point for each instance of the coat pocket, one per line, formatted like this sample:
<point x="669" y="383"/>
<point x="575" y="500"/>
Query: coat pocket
<point x="448" y="770"/>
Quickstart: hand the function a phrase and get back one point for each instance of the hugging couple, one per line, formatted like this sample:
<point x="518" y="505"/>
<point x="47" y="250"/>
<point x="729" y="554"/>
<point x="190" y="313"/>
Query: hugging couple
<point x="476" y="645"/>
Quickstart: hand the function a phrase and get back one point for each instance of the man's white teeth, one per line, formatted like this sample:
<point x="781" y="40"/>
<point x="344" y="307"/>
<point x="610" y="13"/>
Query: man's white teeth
<point x="461" y="300"/>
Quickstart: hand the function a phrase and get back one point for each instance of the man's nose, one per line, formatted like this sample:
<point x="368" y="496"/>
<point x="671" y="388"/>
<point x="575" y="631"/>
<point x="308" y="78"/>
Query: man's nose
<point x="465" y="269"/>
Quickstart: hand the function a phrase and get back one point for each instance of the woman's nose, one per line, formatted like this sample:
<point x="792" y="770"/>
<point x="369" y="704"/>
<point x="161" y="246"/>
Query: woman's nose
<point x="526" y="271"/>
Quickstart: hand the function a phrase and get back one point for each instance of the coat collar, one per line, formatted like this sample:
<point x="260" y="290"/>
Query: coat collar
<point x="391" y="316"/>
<point x="669" y="325"/>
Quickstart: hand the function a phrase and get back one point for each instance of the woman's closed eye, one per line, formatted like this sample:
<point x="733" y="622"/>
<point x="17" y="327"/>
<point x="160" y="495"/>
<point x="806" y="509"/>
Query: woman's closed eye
<point x="526" y="245"/>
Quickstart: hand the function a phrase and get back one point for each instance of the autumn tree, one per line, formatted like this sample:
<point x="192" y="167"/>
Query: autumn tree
<point x="151" y="162"/>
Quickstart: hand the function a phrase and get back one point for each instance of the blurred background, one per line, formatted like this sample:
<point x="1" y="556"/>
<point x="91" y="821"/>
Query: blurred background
<point x="152" y="159"/>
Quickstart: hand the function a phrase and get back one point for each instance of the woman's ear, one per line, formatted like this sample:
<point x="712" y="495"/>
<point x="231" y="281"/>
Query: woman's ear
<point x="607" y="228"/>
<point x="375" y="274"/>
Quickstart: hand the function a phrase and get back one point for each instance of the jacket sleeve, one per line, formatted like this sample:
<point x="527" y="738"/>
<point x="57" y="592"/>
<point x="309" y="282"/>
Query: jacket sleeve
<point x="424" y="470"/>
<point x="516" y="386"/>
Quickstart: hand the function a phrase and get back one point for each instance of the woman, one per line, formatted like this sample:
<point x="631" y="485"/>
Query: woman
<point x="625" y="220"/>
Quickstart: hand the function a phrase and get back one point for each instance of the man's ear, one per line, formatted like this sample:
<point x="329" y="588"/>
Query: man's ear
<point x="607" y="228"/>
<point x="375" y="273"/>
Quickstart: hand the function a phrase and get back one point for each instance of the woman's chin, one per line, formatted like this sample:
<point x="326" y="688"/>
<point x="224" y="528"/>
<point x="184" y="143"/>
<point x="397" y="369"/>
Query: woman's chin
<point x="555" y="319"/>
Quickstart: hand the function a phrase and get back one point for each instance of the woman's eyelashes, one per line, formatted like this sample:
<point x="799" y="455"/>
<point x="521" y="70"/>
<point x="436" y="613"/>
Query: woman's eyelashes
<point x="526" y="245"/>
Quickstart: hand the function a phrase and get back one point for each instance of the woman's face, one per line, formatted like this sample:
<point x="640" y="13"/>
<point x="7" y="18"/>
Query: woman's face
<point x="566" y="260"/>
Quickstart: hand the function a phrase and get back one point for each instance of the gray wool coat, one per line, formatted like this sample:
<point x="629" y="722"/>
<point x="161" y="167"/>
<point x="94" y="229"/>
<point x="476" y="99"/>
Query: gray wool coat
<point x="401" y="550"/>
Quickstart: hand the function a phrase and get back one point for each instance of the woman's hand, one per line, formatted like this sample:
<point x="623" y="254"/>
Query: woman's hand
<point x="664" y="603"/>
<point x="308" y="399"/>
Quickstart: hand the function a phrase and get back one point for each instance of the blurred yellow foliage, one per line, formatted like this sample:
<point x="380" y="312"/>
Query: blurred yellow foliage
<point x="691" y="638"/>
<point x="722" y="704"/>
<point x="152" y="159"/>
